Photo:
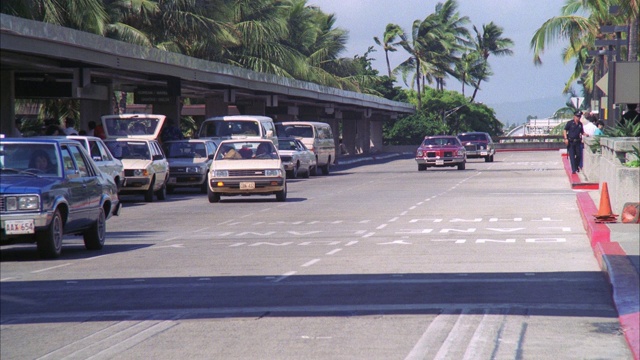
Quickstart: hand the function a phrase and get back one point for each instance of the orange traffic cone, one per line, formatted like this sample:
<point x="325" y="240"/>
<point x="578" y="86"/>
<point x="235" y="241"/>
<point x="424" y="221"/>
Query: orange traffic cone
<point x="604" y="212"/>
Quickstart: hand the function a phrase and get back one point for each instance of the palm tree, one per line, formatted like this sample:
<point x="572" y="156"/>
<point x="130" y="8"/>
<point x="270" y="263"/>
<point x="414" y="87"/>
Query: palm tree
<point x="391" y="32"/>
<point x="581" y="32"/>
<point x="454" y="38"/>
<point x="84" y="15"/>
<point x="469" y="68"/>
<point x="490" y="42"/>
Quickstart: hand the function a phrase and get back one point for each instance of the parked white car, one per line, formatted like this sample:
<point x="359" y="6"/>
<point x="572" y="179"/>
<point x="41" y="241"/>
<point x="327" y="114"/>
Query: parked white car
<point x="247" y="167"/>
<point x="102" y="156"/>
<point x="296" y="158"/>
<point x="131" y="138"/>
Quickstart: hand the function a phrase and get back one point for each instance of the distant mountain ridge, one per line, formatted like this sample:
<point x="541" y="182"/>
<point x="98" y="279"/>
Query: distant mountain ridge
<point x="516" y="112"/>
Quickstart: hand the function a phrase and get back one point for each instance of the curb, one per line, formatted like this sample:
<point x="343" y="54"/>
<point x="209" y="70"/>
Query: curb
<point x="614" y="262"/>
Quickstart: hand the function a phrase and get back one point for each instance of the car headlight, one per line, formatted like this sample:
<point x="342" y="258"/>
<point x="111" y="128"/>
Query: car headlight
<point x="194" y="169"/>
<point x="140" y="172"/>
<point x="220" y="173"/>
<point x="272" y="172"/>
<point x="419" y="153"/>
<point x="461" y="152"/>
<point x="30" y="202"/>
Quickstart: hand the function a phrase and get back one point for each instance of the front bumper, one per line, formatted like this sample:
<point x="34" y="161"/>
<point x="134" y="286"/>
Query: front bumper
<point x="288" y="166"/>
<point x="231" y="186"/>
<point x="476" y="151"/>
<point x="449" y="161"/>
<point x="136" y="183"/>
<point x="40" y="219"/>
<point x="186" y="180"/>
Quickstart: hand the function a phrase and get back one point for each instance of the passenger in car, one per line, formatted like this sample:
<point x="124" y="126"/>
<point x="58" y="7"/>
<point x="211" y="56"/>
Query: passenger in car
<point x="40" y="161"/>
<point x="263" y="150"/>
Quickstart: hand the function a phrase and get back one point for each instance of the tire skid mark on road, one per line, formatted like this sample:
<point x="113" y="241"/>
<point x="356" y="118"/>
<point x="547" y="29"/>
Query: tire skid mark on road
<point x="473" y="333"/>
<point x="112" y="340"/>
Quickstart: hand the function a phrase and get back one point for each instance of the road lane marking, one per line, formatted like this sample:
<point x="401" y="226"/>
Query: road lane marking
<point x="311" y="262"/>
<point x="284" y="276"/>
<point x="332" y="252"/>
<point x="50" y="268"/>
<point x="381" y="227"/>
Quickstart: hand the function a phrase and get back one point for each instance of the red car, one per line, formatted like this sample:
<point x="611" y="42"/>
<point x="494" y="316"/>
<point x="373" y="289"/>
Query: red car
<point x="439" y="151"/>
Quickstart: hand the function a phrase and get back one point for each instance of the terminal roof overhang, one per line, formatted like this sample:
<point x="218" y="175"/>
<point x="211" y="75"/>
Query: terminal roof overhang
<point x="40" y="47"/>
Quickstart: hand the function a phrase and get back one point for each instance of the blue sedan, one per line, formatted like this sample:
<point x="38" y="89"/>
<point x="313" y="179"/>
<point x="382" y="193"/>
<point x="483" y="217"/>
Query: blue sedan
<point x="50" y="187"/>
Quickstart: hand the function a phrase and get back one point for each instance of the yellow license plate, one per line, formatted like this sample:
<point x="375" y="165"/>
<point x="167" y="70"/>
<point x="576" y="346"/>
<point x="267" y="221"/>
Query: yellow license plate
<point x="247" y="185"/>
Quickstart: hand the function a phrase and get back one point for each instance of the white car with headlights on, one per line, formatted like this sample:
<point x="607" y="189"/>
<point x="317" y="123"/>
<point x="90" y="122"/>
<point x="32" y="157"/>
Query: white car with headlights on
<point x="246" y="167"/>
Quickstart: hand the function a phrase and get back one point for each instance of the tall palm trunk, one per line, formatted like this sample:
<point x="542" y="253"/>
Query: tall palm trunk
<point x="633" y="40"/>
<point x="386" y="55"/>
<point x="418" y="83"/>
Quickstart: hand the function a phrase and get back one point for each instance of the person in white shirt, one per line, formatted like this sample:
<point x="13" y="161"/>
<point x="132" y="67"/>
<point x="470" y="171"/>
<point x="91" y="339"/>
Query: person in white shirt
<point x="69" y="130"/>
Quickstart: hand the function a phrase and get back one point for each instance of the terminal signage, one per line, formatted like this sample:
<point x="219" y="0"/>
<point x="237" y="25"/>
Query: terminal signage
<point x="153" y="95"/>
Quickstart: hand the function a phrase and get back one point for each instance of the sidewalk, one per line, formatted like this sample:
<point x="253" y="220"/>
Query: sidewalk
<point x="616" y="246"/>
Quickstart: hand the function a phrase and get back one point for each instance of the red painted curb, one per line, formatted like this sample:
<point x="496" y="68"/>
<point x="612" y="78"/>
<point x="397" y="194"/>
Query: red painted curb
<point x="621" y="274"/>
<point x="597" y="232"/>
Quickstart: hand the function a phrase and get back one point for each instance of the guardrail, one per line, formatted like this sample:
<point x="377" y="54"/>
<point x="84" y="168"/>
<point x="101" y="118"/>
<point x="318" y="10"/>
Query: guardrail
<point x="529" y="142"/>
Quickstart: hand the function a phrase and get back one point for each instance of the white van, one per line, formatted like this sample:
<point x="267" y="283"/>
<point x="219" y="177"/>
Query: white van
<point x="317" y="136"/>
<point x="239" y="127"/>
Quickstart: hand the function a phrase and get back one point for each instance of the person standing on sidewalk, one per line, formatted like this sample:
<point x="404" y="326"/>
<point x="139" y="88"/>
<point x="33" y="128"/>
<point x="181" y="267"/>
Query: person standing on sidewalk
<point x="573" y="133"/>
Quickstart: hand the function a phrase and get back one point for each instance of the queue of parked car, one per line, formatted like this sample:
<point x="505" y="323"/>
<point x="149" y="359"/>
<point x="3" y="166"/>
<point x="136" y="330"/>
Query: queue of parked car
<point x="55" y="186"/>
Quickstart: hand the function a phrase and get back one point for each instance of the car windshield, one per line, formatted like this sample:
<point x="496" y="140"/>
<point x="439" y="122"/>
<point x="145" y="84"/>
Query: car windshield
<point x="472" y="137"/>
<point x="305" y="131"/>
<point x="185" y="150"/>
<point x="440" y="141"/>
<point x="243" y="150"/>
<point x="131" y="126"/>
<point x="129" y="149"/>
<point x="29" y="159"/>
<point x="220" y="128"/>
<point x="287" y="145"/>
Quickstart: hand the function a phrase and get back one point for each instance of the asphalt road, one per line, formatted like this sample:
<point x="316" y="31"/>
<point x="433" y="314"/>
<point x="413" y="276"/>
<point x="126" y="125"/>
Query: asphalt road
<point x="377" y="261"/>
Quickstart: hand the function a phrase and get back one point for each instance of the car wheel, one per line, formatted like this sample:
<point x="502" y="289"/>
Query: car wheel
<point x="148" y="195"/>
<point x="170" y="189"/>
<point x="204" y="187"/>
<point x="325" y="169"/>
<point x="307" y="173"/>
<point x="162" y="193"/>
<point x="461" y="166"/>
<point x="94" y="237"/>
<point x="213" y="197"/>
<point x="49" y="241"/>
<point x="490" y="159"/>
<point x="422" y="167"/>
<point x="282" y="195"/>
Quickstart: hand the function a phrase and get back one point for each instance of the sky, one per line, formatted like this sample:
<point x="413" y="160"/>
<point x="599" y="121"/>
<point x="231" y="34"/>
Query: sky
<point x="517" y="89"/>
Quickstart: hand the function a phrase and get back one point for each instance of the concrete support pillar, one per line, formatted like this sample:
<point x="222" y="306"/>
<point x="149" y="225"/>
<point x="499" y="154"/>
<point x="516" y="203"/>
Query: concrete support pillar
<point x="7" y="104"/>
<point x="92" y="110"/>
<point x="349" y="132"/>
<point x="171" y="110"/>
<point x="215" y="106"/>
<point x="256" y="107"/>
<point x="376" y="135"/>
<point x="363" y="137"/>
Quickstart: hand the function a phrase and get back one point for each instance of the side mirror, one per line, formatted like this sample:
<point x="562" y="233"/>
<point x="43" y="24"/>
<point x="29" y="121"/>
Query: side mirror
<point x="158" y="157"/>
<point x="211" y="156"/>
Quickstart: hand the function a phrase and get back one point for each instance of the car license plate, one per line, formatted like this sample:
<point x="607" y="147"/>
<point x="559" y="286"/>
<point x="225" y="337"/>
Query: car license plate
<point x="483" y="153"/>
<point x="19" y="227"/>
<point x="247" y="185"/>
<point x="439" y="162"/>
<point x="172" y="180"/>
